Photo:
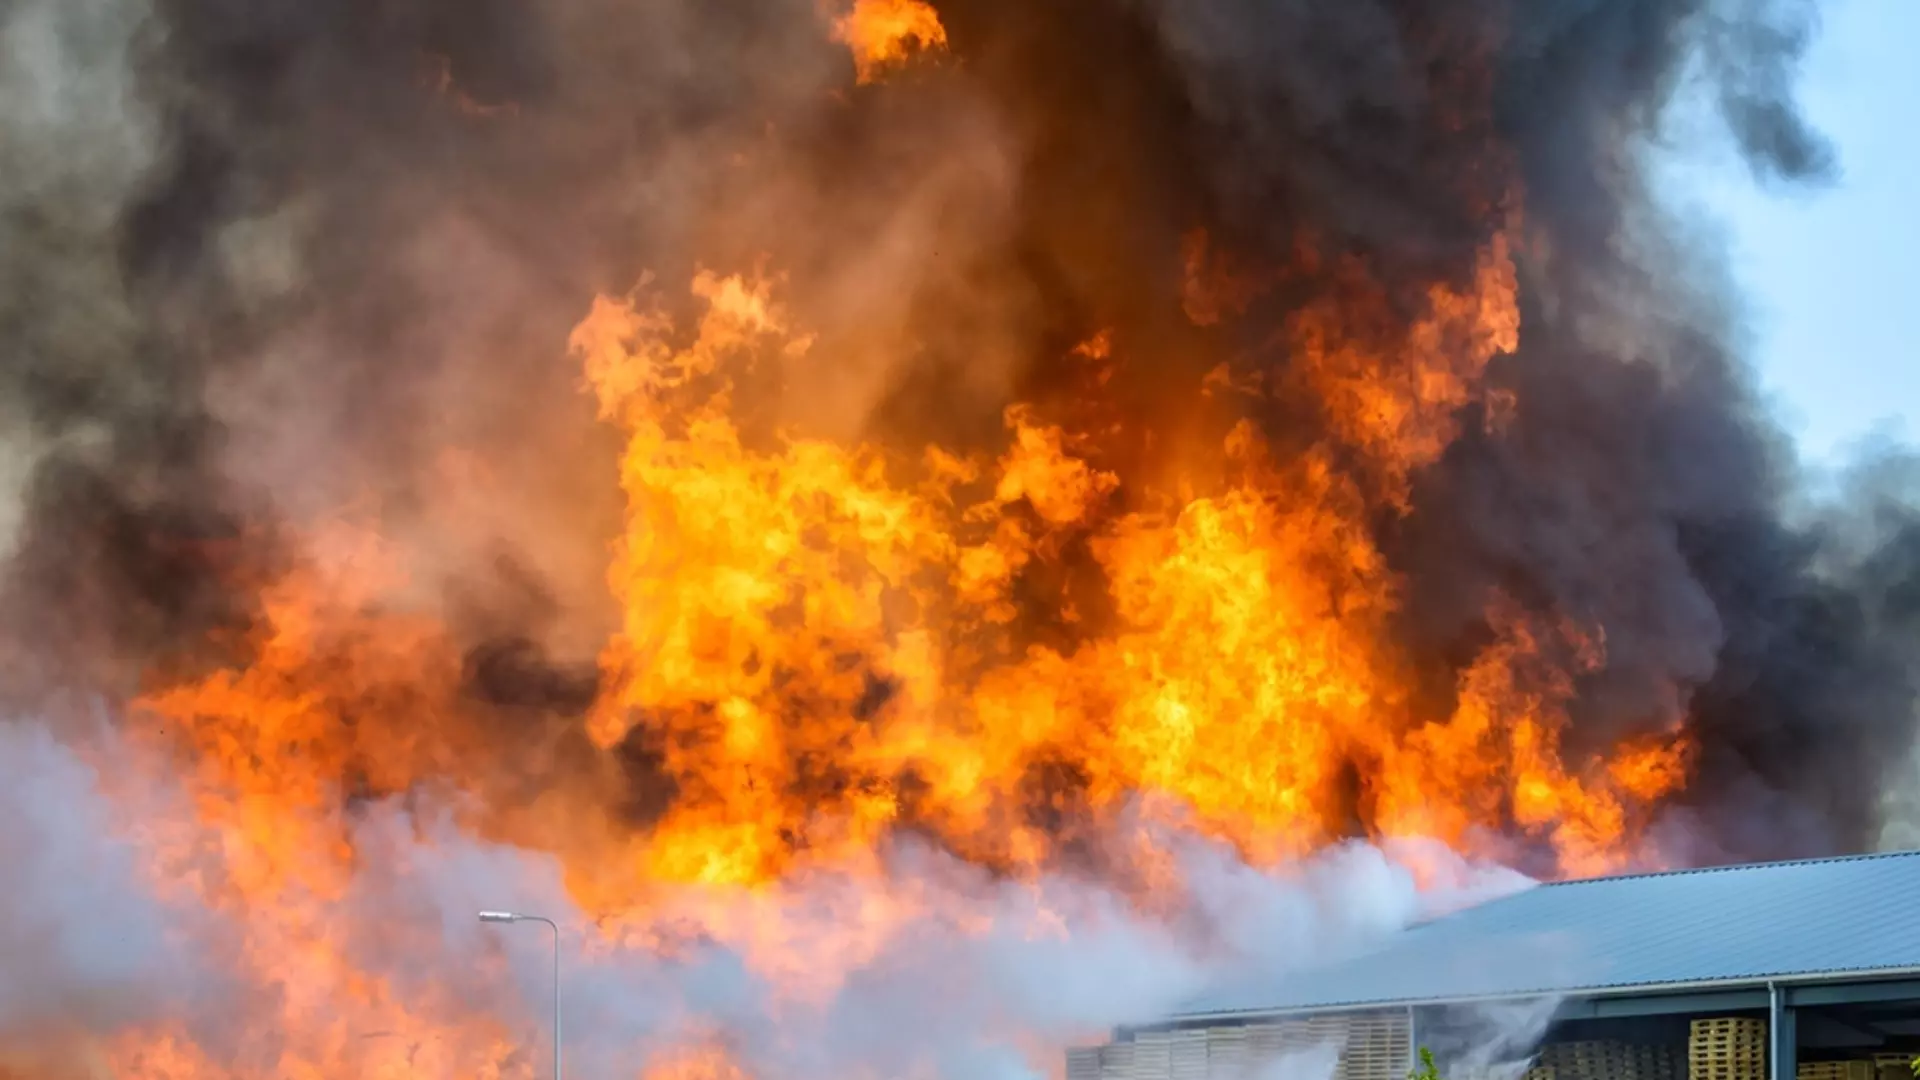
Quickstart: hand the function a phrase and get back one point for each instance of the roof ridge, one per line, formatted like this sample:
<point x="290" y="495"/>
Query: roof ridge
<point x="1867" y="856"/>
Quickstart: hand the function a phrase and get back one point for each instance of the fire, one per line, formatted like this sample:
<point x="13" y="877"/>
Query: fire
<point x="884" y="33"/>
<point x="827" y="643"/>
<point x="1048" y="649"/>
<point x="824" y="638"/>
<point x="1016" y="652"/>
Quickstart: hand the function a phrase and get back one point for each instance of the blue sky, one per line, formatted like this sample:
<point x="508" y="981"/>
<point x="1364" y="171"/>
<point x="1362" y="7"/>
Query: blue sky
<point x="1832" y="276"/>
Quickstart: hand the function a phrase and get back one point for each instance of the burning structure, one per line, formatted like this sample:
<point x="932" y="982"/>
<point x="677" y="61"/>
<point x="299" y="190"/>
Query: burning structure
<point x="918" y="530"/>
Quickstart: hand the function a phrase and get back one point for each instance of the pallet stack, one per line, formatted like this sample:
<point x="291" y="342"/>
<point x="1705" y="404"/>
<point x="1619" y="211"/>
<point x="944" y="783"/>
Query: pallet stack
<point x="1607" y="1060"/>
<point x="1893" y="1066"/>
<point x="1169" y="1055"/>
<point x="1269" y="1042"/>
<point x="1661" y="1062"/>
<point x="1370" y="1046"/>
<point x="1835" y="1070"/>
<point x="1364" y="1046"/>
<point x="1729" y="1048"/>
<point x="1580" y="1060"/>
<point x="1377" y="1047"/>
<point x="1083" y="1063"/>
<point x="1503" y="1071"/>
<point x="1229" y="1053"/>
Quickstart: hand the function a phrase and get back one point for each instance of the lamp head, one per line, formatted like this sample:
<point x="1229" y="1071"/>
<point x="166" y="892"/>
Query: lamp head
<point x="498" y="916"/>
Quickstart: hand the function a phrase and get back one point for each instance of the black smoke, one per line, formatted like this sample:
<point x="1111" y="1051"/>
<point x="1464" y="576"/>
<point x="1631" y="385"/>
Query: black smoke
<point x="260" y="258"/>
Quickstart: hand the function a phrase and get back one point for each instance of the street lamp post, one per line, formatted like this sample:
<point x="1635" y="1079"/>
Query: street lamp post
<point x="511" y="917"/>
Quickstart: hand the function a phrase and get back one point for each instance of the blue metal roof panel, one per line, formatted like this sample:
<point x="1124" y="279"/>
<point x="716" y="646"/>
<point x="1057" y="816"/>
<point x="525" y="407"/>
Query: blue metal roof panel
<point x="1731" y="924"/>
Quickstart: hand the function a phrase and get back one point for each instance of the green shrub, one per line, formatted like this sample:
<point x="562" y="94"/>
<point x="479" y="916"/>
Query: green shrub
<point x="1429" y="1071"/>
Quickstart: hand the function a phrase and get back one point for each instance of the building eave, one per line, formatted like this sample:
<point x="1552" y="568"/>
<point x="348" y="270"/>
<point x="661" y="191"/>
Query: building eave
<point x="1802" y="989"/>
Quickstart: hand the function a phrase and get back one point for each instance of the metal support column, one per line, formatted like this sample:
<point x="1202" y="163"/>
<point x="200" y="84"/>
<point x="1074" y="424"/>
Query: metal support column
<point x="1413" y="1041"/>
<point x="1783" y="1037"/>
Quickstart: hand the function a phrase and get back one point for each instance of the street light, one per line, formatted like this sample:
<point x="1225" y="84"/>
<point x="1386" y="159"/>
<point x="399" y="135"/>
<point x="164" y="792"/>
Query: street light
<point x="510" y="917"/>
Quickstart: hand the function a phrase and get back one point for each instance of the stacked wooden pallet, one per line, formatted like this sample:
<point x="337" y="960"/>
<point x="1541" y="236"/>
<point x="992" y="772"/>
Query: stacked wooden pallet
<point x="1113" y="1061"/>
<point x="1509" y="1070"/>
<point x="1229" y="1053"/>
<point x="1608" y="1060"/>
<point x="1727" y="1048"/>
<point x="1370" y="1046"/>
<point x="1378" y="1046"/>
<point x="1835" y="1070"/>
<point x="1187" y="1055"/>
<point x="1660" y="1062"/>
<point x="1083" y="1063"/>
<point x="1363" y="1046"/>
<point x="1266" y="1043"/>
<point x="1168" y="1055"/>
<point x="1893" y="1066"/>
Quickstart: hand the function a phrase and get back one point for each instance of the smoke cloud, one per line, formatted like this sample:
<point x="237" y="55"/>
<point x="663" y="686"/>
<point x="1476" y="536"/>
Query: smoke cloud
<point x="85" y="949"/>
<point x="267" y="266"/>
<point x="990" y="980"/>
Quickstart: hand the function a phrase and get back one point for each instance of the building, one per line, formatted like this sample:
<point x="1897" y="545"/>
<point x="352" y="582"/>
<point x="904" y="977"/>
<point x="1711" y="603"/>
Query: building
<point x="1783" y="971"/>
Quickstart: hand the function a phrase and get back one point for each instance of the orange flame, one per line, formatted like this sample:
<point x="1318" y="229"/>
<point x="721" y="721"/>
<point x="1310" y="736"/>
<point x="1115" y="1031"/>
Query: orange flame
<point x="823" y="645"/>
<point x="1241" y="670"/>
<point x="884" y="33"/>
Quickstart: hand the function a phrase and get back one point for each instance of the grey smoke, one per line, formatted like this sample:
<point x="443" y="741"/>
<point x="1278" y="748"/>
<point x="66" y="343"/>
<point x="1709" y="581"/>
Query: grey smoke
<point x="79" y="139"/>
<point x="281" y="259"/>
<point x="1640" y="487"/>
<point x="260" y="259"/>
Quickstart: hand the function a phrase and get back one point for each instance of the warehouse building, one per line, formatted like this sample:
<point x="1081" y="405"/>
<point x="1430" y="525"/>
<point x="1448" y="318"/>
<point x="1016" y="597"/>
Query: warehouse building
<point x="1783" y="971"/>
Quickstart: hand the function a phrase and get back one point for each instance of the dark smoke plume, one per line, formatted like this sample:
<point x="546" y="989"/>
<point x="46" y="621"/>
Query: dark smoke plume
<point x="260" y="259"/>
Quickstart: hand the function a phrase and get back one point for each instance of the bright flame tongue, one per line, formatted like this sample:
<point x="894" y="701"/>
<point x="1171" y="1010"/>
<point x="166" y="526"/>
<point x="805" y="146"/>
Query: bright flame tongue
<point x="824" y="640"/>
<point x="1029" y="656"/>
<point x="824" y="644"/>
<point x="882" y="33"/>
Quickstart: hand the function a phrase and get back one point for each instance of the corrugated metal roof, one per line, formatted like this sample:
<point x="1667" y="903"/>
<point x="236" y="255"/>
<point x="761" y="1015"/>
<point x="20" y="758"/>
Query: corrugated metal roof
<point x="1727" y="926"/>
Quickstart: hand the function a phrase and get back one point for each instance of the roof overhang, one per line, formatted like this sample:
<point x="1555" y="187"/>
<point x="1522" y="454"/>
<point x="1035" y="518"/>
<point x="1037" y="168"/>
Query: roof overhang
<point x="1855" y="990"/>
<point x="1805" y="990"/>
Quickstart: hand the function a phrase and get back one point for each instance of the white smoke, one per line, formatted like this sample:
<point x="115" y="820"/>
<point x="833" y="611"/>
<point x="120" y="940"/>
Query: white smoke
<point x="989" y="979"/>
<point x="1316" y="1062"/>
<point x="1493" y="1040"/>
<point x="85" y="950"/>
